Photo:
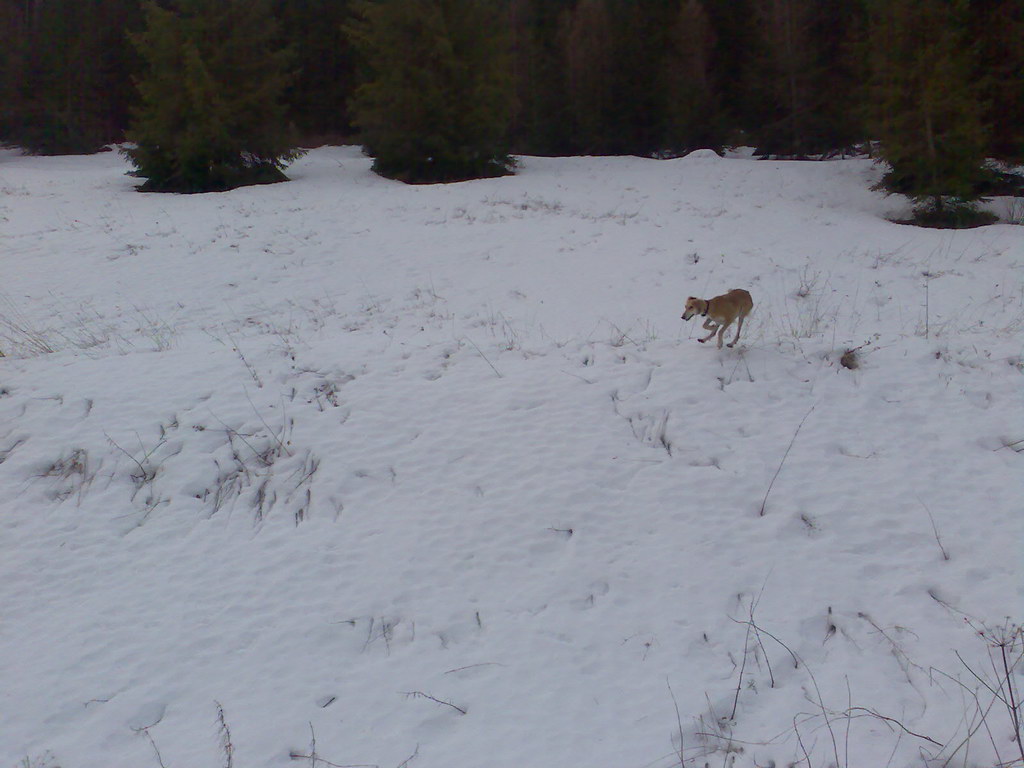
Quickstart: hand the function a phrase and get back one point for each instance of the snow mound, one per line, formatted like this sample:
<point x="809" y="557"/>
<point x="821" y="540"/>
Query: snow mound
<point x="702" y="156"/>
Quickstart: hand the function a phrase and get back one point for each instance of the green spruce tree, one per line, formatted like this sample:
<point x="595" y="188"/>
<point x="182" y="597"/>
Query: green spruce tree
<point x="436" y="102"/>
<point x="212" y="116"/>
<point x="925" y="107"/>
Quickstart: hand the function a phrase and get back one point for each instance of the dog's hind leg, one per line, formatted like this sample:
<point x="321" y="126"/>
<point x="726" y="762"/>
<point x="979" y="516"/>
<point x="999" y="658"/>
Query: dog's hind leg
<point x="721" y="333"/>
<point x="739" y="327"/>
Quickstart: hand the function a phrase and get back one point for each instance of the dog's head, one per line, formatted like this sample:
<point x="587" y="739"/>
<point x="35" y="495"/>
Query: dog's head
<point x="694" y="306"/>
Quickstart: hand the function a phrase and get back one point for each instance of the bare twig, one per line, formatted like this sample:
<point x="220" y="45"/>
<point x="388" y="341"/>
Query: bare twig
<point x="817" y="690"/>
<point x="896" y="746"/>
<point x="897" y="650"/>
<point x="743" y="665"/>
<point x="225" y="737"/>
<point x="145" y="731"/>
<point x="473" y="666"/>
<point x="849" y="722"/>
<point x="958" y="612"/>
<point x="422" y="695"/>
<point x="679" y="723"/>
<point x="971" y="729"/>
<point x="299" y="756"/>
<point x="895" y="722"/>
<point x="927" y="315"/>
<point x="410" y="758"/>
<point x="1005" y="639"/>
<point x="1012" y="705"/>
<point x="312" y="746"/>
<point x="935" y="530"/>
<point x="314" y="758"/>
<point x="259" y="415"/>
<point x="232" y="432"/>
<point x="982" y="713"/>
<point x="147" y="474"/>
<point x="732" y="740"/>
<point x="979" y="678"/>
<point x="480" y="351"/>
<point x="800" y="741"/>
<point x="623" y="336"/>
<point x="824" y="713"/>
<point x="248" y="366"/>
<point x="796" y="659"/>
<point x="159" y="757"/>
<point x="757" y="634"/>
<point x="764" y="501"/>
<point x="4" y="453"/>
<point x="1017" y="446"/>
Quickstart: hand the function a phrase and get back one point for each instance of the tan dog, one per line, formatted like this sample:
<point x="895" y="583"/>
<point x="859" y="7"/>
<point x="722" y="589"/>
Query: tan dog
<point x="720" y="312"/>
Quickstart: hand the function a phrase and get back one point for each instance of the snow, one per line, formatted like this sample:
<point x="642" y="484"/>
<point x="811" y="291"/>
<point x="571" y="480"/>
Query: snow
<point x="439" y="473"/>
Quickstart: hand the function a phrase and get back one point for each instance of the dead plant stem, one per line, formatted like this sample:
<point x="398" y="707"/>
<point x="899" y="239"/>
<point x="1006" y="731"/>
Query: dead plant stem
<point x="764" y="501"/>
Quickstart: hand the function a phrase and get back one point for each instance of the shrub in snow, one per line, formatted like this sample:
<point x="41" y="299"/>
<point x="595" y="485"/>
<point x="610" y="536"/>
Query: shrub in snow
<point x="437" y="101"/>
<point x="211" y="116"/>
<point x="925" y="106"/>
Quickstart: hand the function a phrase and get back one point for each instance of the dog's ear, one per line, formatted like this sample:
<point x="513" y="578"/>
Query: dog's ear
<point x="691" y="298"/>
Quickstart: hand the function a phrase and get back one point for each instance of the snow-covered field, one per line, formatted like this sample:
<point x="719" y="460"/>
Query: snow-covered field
<point x="342" y="471"/>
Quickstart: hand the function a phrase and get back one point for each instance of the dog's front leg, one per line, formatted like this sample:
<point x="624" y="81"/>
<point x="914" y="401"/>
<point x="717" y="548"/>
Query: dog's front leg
<point x="711" y="325"/>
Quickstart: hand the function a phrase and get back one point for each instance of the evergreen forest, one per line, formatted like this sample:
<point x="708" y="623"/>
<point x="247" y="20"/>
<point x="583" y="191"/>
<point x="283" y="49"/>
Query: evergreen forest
<point x="438" y="90"/>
